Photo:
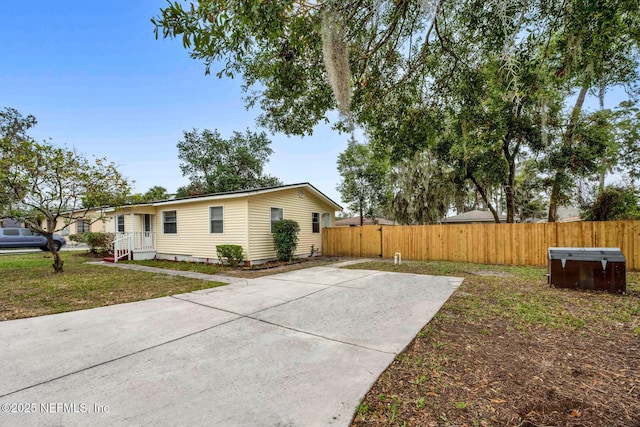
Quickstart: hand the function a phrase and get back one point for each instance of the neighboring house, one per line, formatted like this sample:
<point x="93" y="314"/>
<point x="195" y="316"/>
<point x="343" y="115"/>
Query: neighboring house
<point x="564" y="214"/>
<point x="354" y="221"/>
<point x="190" y="228"/>
<point x="10" y="223"/>
<point x="85" y="220"/>
<point x="473" y="217"/>
<point x="568" y="214"/>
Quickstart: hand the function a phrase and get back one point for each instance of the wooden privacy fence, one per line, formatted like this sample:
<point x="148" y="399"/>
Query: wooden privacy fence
<point x="518" y="244"/>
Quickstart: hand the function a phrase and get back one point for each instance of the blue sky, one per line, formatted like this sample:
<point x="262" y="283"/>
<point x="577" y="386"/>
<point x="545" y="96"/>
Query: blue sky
<point x="96" y="78"/>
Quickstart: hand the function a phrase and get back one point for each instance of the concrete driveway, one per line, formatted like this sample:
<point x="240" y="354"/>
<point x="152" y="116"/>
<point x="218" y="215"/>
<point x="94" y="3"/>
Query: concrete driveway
<point x="294" y="349"/>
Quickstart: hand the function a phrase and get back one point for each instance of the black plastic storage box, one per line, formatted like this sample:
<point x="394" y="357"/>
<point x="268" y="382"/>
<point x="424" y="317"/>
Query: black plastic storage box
<point x="599" y="269"/>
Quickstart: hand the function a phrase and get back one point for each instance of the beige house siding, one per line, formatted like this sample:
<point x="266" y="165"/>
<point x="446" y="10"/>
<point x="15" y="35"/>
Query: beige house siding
<point x="246" y="222"/>
<point x="294" y="207"/>
<point x="92" y="216"/>
<point x="193" y="237"/>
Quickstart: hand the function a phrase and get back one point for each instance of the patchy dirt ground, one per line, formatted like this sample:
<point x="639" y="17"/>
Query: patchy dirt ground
<point x="275" y="267"/>
<point x="508" y="350"/>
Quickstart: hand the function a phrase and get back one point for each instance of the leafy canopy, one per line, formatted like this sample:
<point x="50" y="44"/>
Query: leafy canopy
<point x="40" y="184"/>
<point x="364" y="180"/>
<point x="215" y="164"/>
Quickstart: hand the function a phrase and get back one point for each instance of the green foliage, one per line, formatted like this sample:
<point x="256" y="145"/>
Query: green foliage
<point x="154" y="194"/>
<point x="98" y="242"/>
<point x="214" y="164"/>
<point x="230" y="254"/>
<point x="485" y="83"/>
<point x="364" y="180"/>
<point x="614" y="203"/>
<point x="40" y="183"/>
<point x="285" y="238"/>
<point x="423" y="191"/>
<point x="79" y="238"/>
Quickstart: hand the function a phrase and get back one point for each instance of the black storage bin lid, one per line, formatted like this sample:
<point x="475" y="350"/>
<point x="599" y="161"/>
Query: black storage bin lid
<point x="587" y="254"/>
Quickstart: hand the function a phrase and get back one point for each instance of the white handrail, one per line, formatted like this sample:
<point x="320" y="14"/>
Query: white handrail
<point x="121" y="246"/>
<point x="125" y="243"/>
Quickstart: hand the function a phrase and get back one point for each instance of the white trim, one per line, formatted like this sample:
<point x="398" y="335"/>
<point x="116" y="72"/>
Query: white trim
<point x="214" y="197"/>
<point x="163" y="221"/>
<point x="322" y="225"/>
<point x="223" y="221"/>
<point x="124" y="223"/>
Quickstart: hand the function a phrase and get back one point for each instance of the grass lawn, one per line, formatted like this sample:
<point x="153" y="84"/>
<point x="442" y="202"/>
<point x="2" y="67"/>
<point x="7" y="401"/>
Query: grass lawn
<point x="246" y="273"/>
<point x="198" y="267"/>
<point x="29" y="287"/>
<point x="508" y="350"/>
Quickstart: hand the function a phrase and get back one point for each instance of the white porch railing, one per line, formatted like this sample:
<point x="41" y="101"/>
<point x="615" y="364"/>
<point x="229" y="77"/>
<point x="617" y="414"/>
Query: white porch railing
<point x="126" y="243"/>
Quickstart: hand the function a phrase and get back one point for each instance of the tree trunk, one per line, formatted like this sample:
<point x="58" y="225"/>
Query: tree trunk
<point x="566" y="141"/>
<point x="603" y="173"/>
<point x="508" y="192"/>
<point x="553" y="198"/>
<point x="58" y="263"/>
<point x="496" y="218"/>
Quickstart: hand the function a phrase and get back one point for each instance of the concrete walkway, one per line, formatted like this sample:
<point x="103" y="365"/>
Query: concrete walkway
<point x="293" y="349"/>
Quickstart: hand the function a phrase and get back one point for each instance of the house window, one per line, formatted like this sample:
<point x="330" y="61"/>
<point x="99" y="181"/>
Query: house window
<point x="170" y="222"/>
<point x="216" y="219"/>
<point x="120" y="223"/>
<point x="315" y="222"/>
<point x="277" y="214"/>
<point x="84" y="226"/>
<point x="326" y="220"/>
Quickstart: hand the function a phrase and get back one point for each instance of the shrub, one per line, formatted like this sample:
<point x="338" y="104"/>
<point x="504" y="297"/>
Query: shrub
<point x="285" y="238"/>
<point x="79" y="238"/>
<point x="614" y="203"/>
<point x="98" y="242"/>
<point x="230" y="254"/>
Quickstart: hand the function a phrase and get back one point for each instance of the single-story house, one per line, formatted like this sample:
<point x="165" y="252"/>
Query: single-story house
<point x="473" y="217"/>
<point x="354" y="221"/>
<point x="190" y="228"/>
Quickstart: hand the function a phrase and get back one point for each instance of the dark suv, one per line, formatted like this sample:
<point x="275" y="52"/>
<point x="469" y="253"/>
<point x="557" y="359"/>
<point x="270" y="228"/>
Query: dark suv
<point x="25" y="238"/>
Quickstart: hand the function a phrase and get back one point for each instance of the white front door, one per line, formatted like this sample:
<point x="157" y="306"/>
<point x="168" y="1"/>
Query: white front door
<point x="147" y="235"/>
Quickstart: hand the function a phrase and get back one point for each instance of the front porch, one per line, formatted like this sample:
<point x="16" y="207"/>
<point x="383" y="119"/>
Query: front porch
<point x="134" y="235"/>
<point x="137" y="245"/>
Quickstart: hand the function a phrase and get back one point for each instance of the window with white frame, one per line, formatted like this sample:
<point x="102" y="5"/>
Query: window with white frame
<point x="170" y="222"/>
<point x="120" y="223"/>
<point x="84" y="226"/>
<point x="315" y="222"/>
<point x="216" y="219"/>
<point x="277" y="214"/>
<point x="326" y="220"/>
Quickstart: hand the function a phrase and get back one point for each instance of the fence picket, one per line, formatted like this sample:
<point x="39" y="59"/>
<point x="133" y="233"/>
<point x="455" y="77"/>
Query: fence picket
<point x="518" y="244"/>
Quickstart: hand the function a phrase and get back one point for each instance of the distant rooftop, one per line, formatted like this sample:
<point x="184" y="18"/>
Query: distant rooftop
<point x="474" y="216"/>
<point x="347" y="222"/>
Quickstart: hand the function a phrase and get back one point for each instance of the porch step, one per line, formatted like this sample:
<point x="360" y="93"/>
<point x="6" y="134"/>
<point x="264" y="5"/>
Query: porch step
<point x="122" y="255"/>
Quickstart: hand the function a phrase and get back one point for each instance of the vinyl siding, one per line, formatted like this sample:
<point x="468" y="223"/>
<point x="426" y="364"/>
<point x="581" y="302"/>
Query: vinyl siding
<point x="296" y="208"/>
<point x="92" y="215"/>
<point x="193" y="237"/>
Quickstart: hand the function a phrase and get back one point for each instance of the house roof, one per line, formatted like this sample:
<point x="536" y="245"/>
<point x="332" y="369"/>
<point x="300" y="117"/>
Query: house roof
<point x="473" y="216"/>
<point x="240" y="193"/>
<point x="345" y="222"/>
